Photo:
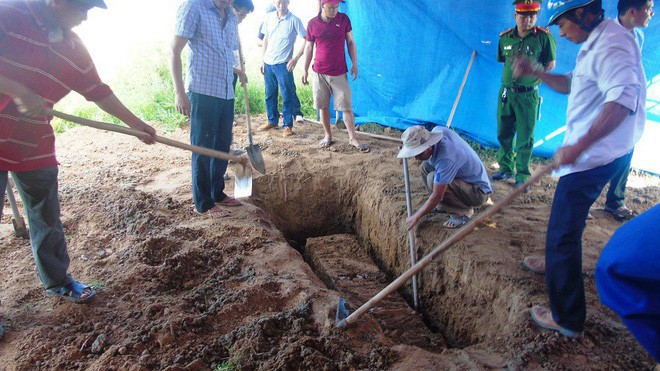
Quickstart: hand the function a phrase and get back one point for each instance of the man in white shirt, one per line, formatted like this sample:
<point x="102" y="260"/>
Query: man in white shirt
<point x="605" y="118"/>
<point x="280" y="30"/>
<point x="633" y="15"/>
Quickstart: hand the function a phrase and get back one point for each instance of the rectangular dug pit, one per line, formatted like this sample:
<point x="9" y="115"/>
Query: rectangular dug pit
<point x="339" y="261"/>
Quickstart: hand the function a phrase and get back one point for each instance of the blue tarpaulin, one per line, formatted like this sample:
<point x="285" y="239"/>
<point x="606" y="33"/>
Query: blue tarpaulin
<point x="412" y="56"/>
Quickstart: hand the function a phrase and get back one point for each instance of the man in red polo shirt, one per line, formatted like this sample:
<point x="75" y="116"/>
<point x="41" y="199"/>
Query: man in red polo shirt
<point x="41" y="61"/>
<point x="329" y="32"/>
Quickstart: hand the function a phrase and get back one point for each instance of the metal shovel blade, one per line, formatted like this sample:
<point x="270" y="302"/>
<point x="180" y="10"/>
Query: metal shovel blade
<point x="256" y="158"/>
<point x="243" y="182"/>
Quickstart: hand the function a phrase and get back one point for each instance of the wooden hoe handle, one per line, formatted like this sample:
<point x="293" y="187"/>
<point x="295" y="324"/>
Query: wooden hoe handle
<point x="140" y="134"/>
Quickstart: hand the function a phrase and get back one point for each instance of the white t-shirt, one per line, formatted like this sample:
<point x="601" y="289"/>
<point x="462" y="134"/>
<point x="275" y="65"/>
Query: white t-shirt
<point x="608" y="69"/>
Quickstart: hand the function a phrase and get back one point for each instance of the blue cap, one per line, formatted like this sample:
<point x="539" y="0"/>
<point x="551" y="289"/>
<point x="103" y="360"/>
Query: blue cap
<point x="558" y="7"/>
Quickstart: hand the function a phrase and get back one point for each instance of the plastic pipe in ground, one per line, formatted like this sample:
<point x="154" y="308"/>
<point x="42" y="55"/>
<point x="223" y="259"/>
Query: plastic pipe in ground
<point x="377" y="136"/>
<point x="411" y="233"/>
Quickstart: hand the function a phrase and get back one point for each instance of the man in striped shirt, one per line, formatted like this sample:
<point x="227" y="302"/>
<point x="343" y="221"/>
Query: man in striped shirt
<point x="41" y="61"/>
<point x="209" y="28"/>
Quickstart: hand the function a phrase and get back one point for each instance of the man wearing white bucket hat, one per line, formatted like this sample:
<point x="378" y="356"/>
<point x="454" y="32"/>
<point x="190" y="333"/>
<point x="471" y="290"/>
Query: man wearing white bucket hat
<point x="452" y="172"/>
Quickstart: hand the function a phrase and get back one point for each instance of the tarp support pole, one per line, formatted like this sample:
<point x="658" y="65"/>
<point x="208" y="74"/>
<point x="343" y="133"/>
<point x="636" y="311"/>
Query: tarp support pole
<point x="460" y="90"/>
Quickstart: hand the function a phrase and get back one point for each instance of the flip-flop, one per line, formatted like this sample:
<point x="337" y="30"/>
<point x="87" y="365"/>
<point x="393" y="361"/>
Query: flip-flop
<point x="363" y="148"/>
<point x="458" y="222"/>
<point x="229" y="202"/>
<point x="217" y="212"/>
<point x="73" y="292"/>
<point x="214" y="212"/>
<point x="325" y="143"/>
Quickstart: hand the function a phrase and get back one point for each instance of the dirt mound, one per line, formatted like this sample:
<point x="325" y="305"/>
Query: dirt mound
<point x="178" y="290"/>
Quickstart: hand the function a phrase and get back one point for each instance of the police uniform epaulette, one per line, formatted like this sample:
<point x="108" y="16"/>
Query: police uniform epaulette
<point x="506" y="31"/>
<point x="544" y="30"/>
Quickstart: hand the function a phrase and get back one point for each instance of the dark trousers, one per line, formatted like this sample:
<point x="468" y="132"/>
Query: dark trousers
<point x="38" y="191"/>
<point x="277" y="76"/>
<point x="574" y="195"/>
<point x="211" y="121"/>
<point x="617" y="191"/>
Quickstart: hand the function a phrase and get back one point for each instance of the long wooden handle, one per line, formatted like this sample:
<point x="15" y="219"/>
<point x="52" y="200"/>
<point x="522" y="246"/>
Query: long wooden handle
<point x="460" y="90"/>
<point x="140" y="134"/>
<point x="246" y="97"/>
<point x="467" y="229"/>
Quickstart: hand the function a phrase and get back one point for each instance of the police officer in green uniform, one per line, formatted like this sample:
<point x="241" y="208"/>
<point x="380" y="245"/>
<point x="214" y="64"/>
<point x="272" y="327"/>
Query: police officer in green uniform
<point x="519" y="104"/>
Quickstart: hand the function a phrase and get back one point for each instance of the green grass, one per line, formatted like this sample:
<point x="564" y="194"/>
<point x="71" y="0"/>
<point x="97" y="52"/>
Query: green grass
<point x="230" y="364"/>
<point x="256" y="97"/>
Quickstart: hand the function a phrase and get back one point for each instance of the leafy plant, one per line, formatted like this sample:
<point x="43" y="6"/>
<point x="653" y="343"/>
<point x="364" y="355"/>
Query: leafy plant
<point x="230" y="364"/>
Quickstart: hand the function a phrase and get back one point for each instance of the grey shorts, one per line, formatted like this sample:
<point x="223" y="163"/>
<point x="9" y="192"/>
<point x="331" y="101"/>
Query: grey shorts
<point x="323" y="86"/>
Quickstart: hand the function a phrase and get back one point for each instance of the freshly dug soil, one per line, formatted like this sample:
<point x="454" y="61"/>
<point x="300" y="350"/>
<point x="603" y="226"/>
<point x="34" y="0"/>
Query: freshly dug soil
<point x="180" y="290"/>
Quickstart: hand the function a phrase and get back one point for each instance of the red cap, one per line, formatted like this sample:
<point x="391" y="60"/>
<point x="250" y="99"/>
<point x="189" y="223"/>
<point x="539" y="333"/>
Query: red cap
<point x="331" y="2"/>
<point x="527" y="6"/>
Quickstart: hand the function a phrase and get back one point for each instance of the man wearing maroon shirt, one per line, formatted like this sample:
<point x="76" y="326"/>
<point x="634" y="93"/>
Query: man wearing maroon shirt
<point x="329" y="32"/>
<point x="41" y="61"/>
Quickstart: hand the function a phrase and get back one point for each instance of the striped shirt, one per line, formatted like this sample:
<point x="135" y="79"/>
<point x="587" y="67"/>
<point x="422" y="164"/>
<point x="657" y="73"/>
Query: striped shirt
<point x="49" y="69"/>
<point x="211" y="47"/>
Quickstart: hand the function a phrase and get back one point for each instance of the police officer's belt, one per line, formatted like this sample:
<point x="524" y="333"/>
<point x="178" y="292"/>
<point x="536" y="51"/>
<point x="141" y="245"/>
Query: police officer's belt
<point x="522" y="89"/>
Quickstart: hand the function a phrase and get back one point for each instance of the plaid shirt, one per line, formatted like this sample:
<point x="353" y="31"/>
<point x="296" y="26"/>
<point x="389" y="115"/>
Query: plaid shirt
<point x="212" y="45"/>
<point x="51" y="70"/>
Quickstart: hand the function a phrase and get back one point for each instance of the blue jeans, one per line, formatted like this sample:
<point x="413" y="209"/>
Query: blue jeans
<point x="38" y="191"/>
<point x="274" y="76"/>
<point x="211" y="121"/>
<point x="574" y="195"/>
<point x="617" y="191"/>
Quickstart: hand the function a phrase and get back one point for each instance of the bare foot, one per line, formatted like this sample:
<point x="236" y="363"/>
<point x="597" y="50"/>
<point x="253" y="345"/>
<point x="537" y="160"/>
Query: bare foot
<point x="359" y="146"/>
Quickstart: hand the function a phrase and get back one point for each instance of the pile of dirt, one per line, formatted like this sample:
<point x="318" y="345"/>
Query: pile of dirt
<point x="179" y="290"/>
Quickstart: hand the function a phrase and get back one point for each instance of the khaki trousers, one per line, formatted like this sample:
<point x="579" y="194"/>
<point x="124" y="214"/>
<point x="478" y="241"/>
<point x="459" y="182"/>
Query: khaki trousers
<point x="460" y="197"/>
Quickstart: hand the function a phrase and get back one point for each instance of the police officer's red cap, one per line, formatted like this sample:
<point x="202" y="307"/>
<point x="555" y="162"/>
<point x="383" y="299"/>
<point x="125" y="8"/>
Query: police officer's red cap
<point x="527" y="6"/>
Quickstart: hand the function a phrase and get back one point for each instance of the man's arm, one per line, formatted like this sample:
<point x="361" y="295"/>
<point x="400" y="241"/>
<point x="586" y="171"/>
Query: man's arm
<point x="550" y="66"/>
<point x="180" y="98"/>
<point x="292" y="63"/>
<point x="113" y="106"/>
<point x="239" y="66"/>
<point x="309" y="51"/>
<point x="434" y="199"/>
<point x="26" y="100"/>
<point x="352" y="52"/>
<point x="300" y="31"/>
<point x="264" y="46"/>
<point x="612" y="115"/>
<point x="560" y="83"/>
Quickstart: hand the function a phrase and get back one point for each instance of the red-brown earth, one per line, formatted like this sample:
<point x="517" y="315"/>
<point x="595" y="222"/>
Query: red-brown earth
<point x="179" y="290"/>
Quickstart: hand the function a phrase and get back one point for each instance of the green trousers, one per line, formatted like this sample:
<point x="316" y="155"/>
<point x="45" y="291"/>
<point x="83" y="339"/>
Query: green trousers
<point x="516" y="117"/>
